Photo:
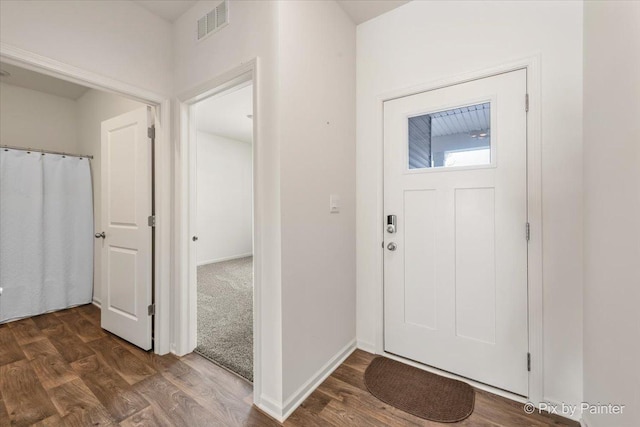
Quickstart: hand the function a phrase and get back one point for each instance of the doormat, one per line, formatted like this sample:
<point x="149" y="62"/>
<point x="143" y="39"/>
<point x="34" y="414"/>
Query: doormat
<point x="420" y="393"/>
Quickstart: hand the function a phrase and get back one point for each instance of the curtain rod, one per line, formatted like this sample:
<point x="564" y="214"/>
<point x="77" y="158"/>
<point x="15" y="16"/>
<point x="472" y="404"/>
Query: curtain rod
<point x="10" y="147"/>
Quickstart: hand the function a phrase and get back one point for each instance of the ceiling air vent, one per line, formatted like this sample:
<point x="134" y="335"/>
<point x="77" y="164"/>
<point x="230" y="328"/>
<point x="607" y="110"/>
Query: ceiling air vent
<point x="214" y="20"/>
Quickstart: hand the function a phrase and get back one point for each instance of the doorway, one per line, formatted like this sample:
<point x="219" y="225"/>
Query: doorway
<point x="112" y="195"/>
<point x="222" y="227"/>
<point x="161" y="165"/>
<point x="455" y="247"/>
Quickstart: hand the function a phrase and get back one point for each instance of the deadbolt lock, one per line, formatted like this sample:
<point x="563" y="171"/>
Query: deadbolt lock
<point x="391" y="223"/>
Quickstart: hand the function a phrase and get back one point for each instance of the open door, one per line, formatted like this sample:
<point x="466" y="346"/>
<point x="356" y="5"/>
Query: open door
<point x="126" y="171"/>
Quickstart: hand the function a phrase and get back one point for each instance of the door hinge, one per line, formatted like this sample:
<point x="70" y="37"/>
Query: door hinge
<point x="152" y="220"/>
<point x="151" y="132"/>
<point x="526" y="102"/>
<point x="528" y="362"/>
<point x="528" y="231"/>
<point x="151" y="309"/>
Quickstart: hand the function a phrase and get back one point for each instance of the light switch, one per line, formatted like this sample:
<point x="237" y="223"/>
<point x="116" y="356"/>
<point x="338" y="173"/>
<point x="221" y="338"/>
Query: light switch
<point x="334" y="203"/>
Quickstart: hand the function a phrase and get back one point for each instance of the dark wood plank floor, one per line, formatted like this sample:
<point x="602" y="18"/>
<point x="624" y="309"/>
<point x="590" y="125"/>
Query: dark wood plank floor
<point x="62" y="369"/>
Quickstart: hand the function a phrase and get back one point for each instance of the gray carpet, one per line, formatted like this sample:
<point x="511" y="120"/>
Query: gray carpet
<point x="225" y="314"/>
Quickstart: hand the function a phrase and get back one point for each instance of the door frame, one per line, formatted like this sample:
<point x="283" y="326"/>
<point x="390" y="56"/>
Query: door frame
<point x="186" y="276"/>
<point x="161" y="287"/>
<point x="534" y="212"/>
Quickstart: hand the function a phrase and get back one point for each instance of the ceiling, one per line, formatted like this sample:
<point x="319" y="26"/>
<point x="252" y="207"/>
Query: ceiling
<point x="461" y="120"/>
<point x="169" y="10"/>
<point x="35" y="81"/>
<point x="364" y="10"/>
<point x="226" y="115"/>
<point x="359" y="10"/>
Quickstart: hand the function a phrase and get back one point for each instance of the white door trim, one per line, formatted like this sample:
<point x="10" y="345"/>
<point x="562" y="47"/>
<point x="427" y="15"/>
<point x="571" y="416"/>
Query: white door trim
<point x="185" y="296"/>
<point x="42" y="64"/>
<point x="534" y="212"/>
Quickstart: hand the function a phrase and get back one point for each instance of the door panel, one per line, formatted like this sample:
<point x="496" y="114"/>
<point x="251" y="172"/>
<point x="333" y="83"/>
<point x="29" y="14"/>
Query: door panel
<point x="420" y="283"/>
<point x="455" y="287"/>
<point x="126" y="205"/>
<point x="475" y="263"/>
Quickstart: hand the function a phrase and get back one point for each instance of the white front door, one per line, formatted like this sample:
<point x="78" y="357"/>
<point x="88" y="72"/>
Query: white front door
<point x="126" y="206"/>
<point x="455" y="263"/>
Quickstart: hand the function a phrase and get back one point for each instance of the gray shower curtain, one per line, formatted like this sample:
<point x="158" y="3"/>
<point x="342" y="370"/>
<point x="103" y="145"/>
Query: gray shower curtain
<point x="46" y="233"/>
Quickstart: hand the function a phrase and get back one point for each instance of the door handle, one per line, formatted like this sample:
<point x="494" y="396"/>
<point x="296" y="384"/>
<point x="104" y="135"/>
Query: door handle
<point x="100" y="235"/>
<point x="392" y="246"/>
<point x="194" y="238"/>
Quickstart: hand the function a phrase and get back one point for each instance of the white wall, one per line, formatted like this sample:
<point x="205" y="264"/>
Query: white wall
<point x="612" y="209"/>
<point x="93" y="108"/>
<point x="224" y="198"/>
<point x="423" y="42"/>
<point x="306" y="53"/>
<point x="317" y="89"/>
<point x="33" y="119"/>
<point x="117" y="39"/>
<point x="251" y="33"/>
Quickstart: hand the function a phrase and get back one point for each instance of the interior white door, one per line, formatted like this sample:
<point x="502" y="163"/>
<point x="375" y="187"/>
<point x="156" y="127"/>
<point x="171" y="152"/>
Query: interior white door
<point x="455" y="263"/>
<point x="127" y="246"/>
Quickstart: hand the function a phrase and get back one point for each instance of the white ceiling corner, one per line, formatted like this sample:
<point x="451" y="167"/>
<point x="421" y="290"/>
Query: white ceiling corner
<point x="226" y="115"/>
<point x="169" y="10"/>
<point x="364" y="10"/>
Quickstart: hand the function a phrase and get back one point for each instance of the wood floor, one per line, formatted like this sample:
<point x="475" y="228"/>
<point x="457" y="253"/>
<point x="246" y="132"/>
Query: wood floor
<point x="62" y="369"/>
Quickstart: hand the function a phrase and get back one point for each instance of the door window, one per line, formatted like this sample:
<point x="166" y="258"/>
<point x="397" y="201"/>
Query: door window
<point x="451" y="138"/>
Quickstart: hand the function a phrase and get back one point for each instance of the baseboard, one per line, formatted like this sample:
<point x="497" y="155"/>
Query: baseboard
<point x="366" y="346"/>
<point x="97" y="302"/>
<point x="271" y="408"/>
<point x="281" y="413"/>
<point x="228" y="258"/>
<point x="296" y="399"/>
